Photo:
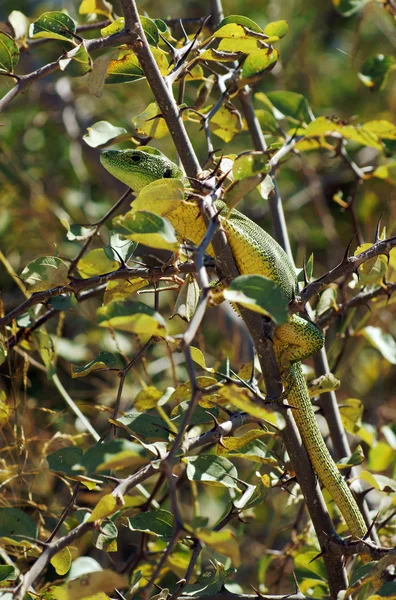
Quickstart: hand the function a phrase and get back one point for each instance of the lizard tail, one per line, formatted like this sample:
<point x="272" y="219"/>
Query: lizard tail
<point x="327" y="471"/>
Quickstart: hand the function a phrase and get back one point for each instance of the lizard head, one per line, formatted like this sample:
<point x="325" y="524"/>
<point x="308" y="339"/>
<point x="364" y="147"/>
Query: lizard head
<point x="138" y="168"/>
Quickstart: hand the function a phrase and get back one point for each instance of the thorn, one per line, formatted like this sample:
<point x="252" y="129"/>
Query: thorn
<point x="171" y="48"/>
<point x="346" y="255"/>
<point x="217" y="166"/>
<point x="370" y="529"/>
<point x="296" y="583"/>
<point x="317" y="556"/>
<point x="377" y="229"/>
<point x="183" y="31"/>
<point x="305" y="272"/>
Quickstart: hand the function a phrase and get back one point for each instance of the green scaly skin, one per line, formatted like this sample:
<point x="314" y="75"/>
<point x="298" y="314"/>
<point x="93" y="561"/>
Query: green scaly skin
<point x="255" y="252"/>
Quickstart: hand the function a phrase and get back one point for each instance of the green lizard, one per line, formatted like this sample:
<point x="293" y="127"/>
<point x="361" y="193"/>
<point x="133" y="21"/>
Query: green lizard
<point x="255" y="252"/>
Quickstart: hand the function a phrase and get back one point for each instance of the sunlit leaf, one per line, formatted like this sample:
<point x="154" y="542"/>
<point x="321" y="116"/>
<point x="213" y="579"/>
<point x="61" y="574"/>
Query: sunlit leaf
<point x="44" y="273"/>
<point x="387" y="172"/>
<point x="151" y="30"/>
<point x="124" y="70"/>
<point x="104" y="360"/>
<point x="213" y="470"/>
<point x="102" y="132"/>
<point x="121" y="289"/>
<point x="324" y="383"/>
<point x="356" y="458"/>
<point x="96" y="582"/>
<point x="351" y="414"/>
<point x="114" y="27"/>
<point x="267" y="121"/>
<point x="160" y="197"/>
<point x="105" y="539"/>
<point x="134" y="317"/>
<point x="149" y="123"/>
<point x="226" y="123"/>
<point x="378" y="482"/>
<point x="239" y="397"/>
<point x="147" y="398"/>
<point x="245" y="45"/>
<point x="9" y="53"/>
<point x="381" y="456"/>
<point x="97" y="7"/>
<point x="148" y="228"/>
<point x="61" y="561"/>
<point x="54" y="25"/>
<point x="259" y="294"/>
<point x="276" y="30"/>
<point x="106" y="506"/>
<point x="5" y="409"/>
<point x="95" y="262"/>
<point x="250" y="163"/>
<point x="258" y="62"/>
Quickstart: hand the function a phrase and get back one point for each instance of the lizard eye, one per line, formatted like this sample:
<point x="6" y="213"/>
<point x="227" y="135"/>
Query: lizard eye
<point x="167" y="173"/>
<point x="135" y="158"/>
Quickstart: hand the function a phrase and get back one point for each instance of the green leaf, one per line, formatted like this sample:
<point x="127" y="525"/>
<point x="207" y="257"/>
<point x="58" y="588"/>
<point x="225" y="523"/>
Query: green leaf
<point x="102" y="132"/>
<point x="155" y="522"/>
<point x="384" y="342"/>
<point x="119" y="249"/>
<point x="5" y="409"/>
<point x="149" y="229"/>
<point x="9" y="53"/>
<point x="149" y="123"/>
<point x="106" y="538"/>
<point x="267" y="121"/>
<point x="76" y="62"/>
<point x="7" y="573"/>
<point x="76" y="232"/>
<point x="258" y="62"/>
<point x="348" y="7"/>
<point x="66" y="460"/>
<point x="55" y="25"/>
<point x="95" y="262"/>
<point x="387" y="172"/>
<point x="290" y="104"/>
<point x="253" y="450"/>
<point x="116" y="454"/>
<point x="124" y="70"/>
<point x="250" y="163"/>
<point x="45" y="347"/>
<point x="276" y="30"/>
<point x="214" y="470"/>
<point x="151" y="30"/>
<point x="240" y="20"/>
<point x="63" y="302"/>
<point x="104" y="360"/>
<point x="148" y="427"/>
<point x="209" y="583"/>
<point x="239" y="189"/>
<point x="356" y="458"/>
<point x="259" y="294"/>
<point x="61" y="561"/>
<point x="16" y="525"/>
<point x="375" y="70"/>
<point x="324" y="383"/>
<point x="97" y="7"/>
<point x="44" y="273"/>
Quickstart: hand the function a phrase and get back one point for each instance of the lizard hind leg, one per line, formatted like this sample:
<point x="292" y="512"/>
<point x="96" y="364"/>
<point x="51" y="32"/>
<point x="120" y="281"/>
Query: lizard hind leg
<point x="296" y="340"/>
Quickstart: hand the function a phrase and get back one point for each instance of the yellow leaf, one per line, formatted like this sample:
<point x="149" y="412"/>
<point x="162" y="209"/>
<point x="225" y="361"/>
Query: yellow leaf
<point x="94" y="583"/>
<point x="239" y="397"/>
<point x="224" y="542"/>
<point x="95" y="262"/>
<point x="4" y="409"/>
<point x="98" y="7"/>
<point x="147" y="398"/>
<point x="106" y="506"/>
<point x="122" y="289"/>
<point x="61" y="561"/>
<point x="150" y="123"/>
